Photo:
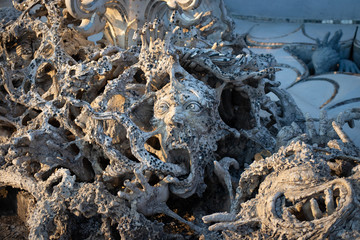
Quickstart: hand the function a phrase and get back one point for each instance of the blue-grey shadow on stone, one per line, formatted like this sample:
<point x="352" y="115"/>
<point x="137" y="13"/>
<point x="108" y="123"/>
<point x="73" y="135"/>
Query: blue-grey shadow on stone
<point x="328" y="55"/>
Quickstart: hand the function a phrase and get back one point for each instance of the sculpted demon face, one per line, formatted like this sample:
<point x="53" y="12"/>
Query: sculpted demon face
<point x="185" y="114"/>
<point x="302" y="198"/>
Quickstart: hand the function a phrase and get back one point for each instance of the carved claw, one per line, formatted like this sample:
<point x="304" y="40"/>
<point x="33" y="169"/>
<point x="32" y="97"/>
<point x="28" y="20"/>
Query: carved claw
<point x="247" y="224"/>
<point x="148" y="200"/>
<point x="346" y="65"/>
<point x="228" y="221"/>
<point x="219" y="217"/>
<point x="328" y="131"/>
<point x="332" y="43"/>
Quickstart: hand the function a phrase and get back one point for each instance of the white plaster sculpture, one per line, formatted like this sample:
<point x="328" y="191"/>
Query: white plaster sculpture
<point x="120" y="19"/>
<point x="109" y="143"/>
<point x="304" y="192"/>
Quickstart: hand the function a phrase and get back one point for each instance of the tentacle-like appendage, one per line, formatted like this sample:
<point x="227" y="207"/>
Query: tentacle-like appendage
<point x="221" y="169"/>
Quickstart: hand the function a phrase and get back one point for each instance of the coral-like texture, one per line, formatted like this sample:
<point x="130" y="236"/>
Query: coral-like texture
<point x="303" y="192"/>
<point x="101" y="142"/>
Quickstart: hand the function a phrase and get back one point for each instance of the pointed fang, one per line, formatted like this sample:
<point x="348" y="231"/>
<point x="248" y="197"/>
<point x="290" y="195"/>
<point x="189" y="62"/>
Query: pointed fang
<point x="329" y="201"/>
<point x="315" y="209"/>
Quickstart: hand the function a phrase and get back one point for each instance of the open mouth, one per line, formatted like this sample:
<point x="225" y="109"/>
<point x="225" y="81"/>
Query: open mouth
<point x="182" y="158"/>
<point x="317" y="204"/>
<point x="188" y="183"/>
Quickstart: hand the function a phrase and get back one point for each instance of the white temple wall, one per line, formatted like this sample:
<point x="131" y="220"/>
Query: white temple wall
<point x="297" y="9"/>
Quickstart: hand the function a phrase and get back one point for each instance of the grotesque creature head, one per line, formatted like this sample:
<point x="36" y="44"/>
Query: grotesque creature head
<point x="303" y="195"/>
<point x="185" y="112"/>
<point x="183" y="108"/>
<point x="84" y="106"/>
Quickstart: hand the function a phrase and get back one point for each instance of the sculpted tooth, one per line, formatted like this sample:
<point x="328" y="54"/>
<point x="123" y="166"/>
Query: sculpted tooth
<point x="298" y="206"/>
<point x="343" y="196"/>
<point x="329" y="201"/>
<point x="289" y="214"/>
<point x="337" y="201"/>
<point x="306" y="210"/>
<point x="341" y="201"/>
<point x="315" y="209"/>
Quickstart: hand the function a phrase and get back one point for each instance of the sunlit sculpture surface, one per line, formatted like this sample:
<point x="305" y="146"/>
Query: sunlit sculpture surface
<point x="109" y="140"/>
<point x="121" y="18"/>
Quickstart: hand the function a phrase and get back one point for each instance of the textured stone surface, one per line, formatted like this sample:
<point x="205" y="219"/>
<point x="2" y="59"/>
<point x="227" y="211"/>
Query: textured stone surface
<point x="100" y="142"/>
<point x="302" y="192"/>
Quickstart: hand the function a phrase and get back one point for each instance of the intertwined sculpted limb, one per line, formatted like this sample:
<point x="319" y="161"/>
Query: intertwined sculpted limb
<point x="108" y="141"/>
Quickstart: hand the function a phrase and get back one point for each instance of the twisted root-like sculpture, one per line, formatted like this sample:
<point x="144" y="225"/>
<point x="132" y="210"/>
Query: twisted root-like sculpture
<point x="107" y="141"/>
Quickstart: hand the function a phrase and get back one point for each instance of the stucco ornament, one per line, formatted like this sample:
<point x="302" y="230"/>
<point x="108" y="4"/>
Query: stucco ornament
<point x="304" y="192"/>
<point x="185" y="114"/>
<point x="101" y="142"/>
<point x="120" y="19"/>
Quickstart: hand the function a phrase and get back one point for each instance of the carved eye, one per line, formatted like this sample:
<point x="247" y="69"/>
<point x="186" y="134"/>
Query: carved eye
<point x="162" y="107"/>
<point x="193" y="107"/>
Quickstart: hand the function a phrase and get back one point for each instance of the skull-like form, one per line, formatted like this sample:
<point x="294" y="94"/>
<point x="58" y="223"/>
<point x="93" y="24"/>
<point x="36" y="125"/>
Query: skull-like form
<point x="303" y="201"/>
<point x="301" y="196"/>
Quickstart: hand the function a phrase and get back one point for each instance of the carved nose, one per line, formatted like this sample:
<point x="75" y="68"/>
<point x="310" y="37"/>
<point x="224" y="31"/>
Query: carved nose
<point x="177" y="120"/>
<point x="176" y="117"/>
